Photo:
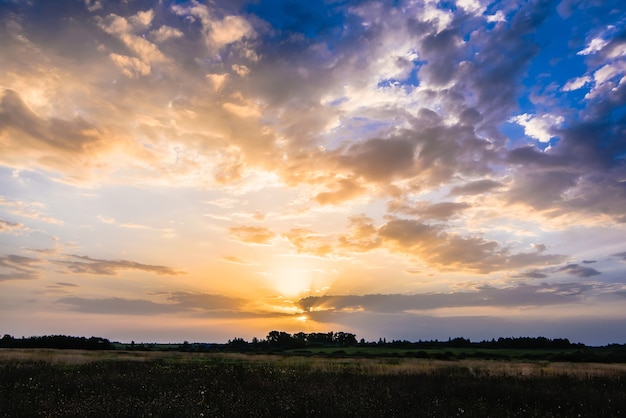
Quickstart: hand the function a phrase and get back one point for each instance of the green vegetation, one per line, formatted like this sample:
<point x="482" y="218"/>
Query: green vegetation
<point x="342" y="344"/>
<point x="179" y="384"/>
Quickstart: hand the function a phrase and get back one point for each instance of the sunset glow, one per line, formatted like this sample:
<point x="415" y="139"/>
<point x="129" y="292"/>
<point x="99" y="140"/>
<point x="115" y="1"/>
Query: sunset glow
<point x="190" y="170"/>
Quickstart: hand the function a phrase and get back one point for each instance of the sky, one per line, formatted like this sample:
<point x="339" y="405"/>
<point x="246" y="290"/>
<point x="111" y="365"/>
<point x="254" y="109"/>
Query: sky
<point x="410" y="169"/>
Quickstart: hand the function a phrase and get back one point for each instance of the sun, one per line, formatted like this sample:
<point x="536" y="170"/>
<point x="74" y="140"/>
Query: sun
<point x="291" y="281"/>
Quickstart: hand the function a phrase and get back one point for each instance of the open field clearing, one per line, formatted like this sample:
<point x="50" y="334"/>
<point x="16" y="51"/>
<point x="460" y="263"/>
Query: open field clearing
<point x="80" y="383"/>
<point x="374" y="366"/>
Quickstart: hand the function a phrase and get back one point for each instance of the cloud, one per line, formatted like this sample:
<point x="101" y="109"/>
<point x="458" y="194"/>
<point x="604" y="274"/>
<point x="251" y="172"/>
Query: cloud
<point x="345" y="189"/>
<point x="577" y="83"/>
<point x="429" y="211"/>
<point x="542" y="190"/>
<point x="165" y="33"/>
<point x="362" y="236"/>
<point x="379" y="159"/>
<point x="447" y="251"/>
<point x="93" y="5"/>
<point x="539" y="127"/>
<point x="522" y="295"/>
<point x="131" y="67"/>
<point x="87" y="265"/>
<point x="31" y="210"/>
<point x="11" y="227"/>
<point x="495" y="75"/>
<point x="621" y="255"/>
<point x="476" y="187"/>
<point x="532" y="274"/>
<point x="125" y="30"/>
<point x="63" y="284"/>
<point x="202" y="304"/>
<point x="595" y="45"/>
<point x="63" y="145"/>
<point x="306" y="241"/>
<point x="17" y="267"/>
<point x="252" y="234"/>
<point x="118" y="306"/>
<point x="429" y="243"/>
<point x="580" y="271"/>
<point x="218" y="32"/>
<point x="204" y="301"/>
<point x="62" y="135"/>
<point x="235" y="260"/>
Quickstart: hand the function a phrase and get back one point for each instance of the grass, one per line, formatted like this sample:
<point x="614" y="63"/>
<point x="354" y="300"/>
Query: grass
<point x="70" y="383"/>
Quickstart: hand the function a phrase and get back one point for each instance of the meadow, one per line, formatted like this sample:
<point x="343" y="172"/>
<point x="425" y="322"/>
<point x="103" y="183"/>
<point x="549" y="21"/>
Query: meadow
<point x="75" y="383"/>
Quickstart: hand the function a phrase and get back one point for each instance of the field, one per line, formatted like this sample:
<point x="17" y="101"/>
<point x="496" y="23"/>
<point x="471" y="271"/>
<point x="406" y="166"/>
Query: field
<point x="75" y="383"/>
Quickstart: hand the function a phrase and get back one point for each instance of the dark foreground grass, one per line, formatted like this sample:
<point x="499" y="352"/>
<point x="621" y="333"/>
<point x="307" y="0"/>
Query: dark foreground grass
<point x="215" y="387"/>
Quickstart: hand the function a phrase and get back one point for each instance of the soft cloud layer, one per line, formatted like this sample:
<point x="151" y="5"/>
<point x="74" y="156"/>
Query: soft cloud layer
<point x="83" y="264"/>
<point x="518" y="296"/>
<point x="317" y="146"/>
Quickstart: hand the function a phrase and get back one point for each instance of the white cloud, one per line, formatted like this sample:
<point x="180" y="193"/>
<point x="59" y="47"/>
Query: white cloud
<point x="125" y="30"/>
<point x="497" y="17"/>
<point x="471" y="6"/>
<point x="609" y="71"/>
<point x="538" y="127"/>
<point x="143" y="19"/>
<point x="594" y="46"/>
<point x="92" y="6"/>
<point x="576" y="83"/>
<point x="218" y="33"/>
<point x="165" y="33"/>
<point x="131" y="67"/>
<point x="242" y="70"/>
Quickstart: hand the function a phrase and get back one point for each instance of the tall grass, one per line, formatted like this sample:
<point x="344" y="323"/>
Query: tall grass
<point x="46" y="383"/>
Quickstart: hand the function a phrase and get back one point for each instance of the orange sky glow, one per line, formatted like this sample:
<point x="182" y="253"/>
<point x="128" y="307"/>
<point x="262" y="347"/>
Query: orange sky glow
<point x="187" y="170"/>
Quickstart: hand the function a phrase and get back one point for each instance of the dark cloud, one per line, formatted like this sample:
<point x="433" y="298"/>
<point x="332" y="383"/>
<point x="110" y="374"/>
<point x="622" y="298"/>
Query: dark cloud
<point x="517" y="296"/>
<point x="430" y="243"/>
<point x="204" y="301"/>
<point x="63" y="284"/>
<point x="495" y="75"/>
<point x="198" y="304"/>
<point x="476" y="187"/>
<point x="17" y="267"/>
<point x="451" y="251"/>
<point x="87" y="265"/>
<point x="621" y="255"/>
<point x="442" y="51"/>
<point x="580" y="271"/>
<point x="119" y="306"/>
<point x="541" y="190"/>
<point x="380" y="159"/>
<point x="429" y="211"/>
<point x="533" y="157"/>
<point x="75" y="136"/>
<point x="533" y="274"/>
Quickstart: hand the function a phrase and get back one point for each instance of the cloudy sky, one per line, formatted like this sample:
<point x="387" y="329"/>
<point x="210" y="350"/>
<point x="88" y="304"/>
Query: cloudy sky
<point x="409" y="169"/>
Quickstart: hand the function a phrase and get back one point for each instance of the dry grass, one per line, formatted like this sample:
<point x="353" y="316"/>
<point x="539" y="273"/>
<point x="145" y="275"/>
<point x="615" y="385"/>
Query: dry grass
<point x="365" y="366"/>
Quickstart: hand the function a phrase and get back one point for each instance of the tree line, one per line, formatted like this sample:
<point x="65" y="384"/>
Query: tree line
<point x="285" y="340"/>
<point x="57" y="341"/>
<point x="300" y="340"/>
